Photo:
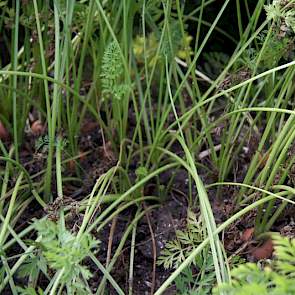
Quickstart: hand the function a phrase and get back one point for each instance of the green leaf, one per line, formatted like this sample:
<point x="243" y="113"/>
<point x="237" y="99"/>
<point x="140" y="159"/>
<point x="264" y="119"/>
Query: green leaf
<point x="275" y="280"/>
<point x="31" y="267"/>
<point x="62" y="250"/>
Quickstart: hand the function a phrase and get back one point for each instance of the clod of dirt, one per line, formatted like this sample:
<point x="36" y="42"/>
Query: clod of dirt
<point x="288" y="230"/>
<point x="247" y="235"/>
<point x="3" y="132"/>
<point x="168" y="219"/>
<point x="89" y="126"/>
<point x="263" y="252"/>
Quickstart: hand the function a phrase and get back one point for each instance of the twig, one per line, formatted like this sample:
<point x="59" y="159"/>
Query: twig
<point x="110" y="242"/>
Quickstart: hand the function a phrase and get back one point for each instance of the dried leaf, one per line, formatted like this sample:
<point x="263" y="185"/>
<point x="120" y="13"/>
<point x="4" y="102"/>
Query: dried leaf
<point x="3" y="132"/>
<point x="247" y="234"/>
<point x="263" y="252"/>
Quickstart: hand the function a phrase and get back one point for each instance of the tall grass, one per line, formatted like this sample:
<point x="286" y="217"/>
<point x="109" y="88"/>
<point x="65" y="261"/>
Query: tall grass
<point x="143" y="60"/>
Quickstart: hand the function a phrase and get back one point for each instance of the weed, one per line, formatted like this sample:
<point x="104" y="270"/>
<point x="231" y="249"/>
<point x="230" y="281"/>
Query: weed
<point x="58" y="249"/>
<point x="112" y="70"/>
<point x="177" y="250"/>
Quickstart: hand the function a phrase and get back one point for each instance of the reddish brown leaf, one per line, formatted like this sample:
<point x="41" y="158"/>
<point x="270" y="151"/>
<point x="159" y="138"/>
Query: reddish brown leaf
<point x="72" y="165"/>
<point x="264" y="251"/>
<point x="37" y="127"/>
<point x="89" y="126"/>
<point x="3" y="132"/>
<point x="247" y="234"/>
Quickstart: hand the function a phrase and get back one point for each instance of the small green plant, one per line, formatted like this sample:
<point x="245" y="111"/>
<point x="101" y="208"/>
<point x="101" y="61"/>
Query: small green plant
<point x="32" y="266"/>
<point x="111" y="73"/>
<point x="177" y="250"/>
<point x="199" y="277"/>
<point x="277" y="278"/>
<point x="42" y="143"/>
<point x="196" y="281"/>
<point x="282" y="13"/>
<point x="115" y="89"/>
<point x="59" y="250"/>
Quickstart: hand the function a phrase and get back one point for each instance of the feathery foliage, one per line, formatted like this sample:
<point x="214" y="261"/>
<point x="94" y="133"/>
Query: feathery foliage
<point x="275" y="278"/>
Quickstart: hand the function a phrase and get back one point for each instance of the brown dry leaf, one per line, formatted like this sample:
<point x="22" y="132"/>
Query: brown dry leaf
<point x="89" y="126"/>
<point x="264" y="251"/>
<point x="107" y="149"/>
<point x="82" y="156"/>
<point x="72" y="165"/>
<point x="3" y="132"/>
<point x="37" y="127"/>
<point x="263" y="158"/>
<point x="247" y="234"/>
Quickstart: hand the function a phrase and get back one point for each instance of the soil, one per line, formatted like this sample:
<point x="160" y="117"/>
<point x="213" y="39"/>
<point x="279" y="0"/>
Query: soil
<point x="171" y="215"/>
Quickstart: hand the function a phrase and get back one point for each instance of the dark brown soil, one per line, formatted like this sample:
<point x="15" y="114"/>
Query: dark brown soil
<point x="171" y="215"/>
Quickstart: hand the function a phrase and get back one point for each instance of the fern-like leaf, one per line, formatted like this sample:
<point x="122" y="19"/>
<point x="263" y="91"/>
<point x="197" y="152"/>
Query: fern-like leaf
<point x="111" y="73"/>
